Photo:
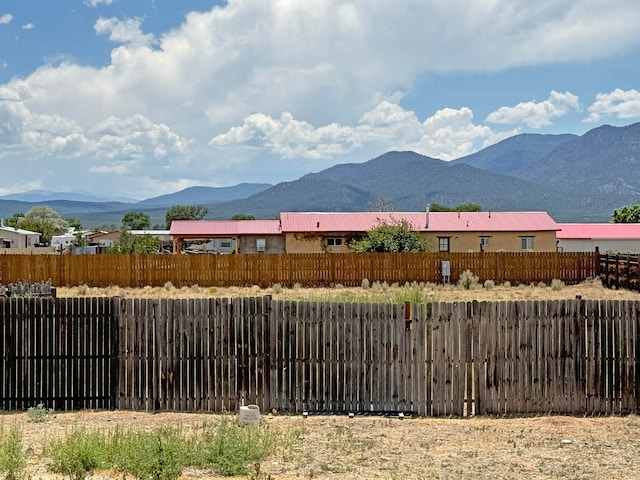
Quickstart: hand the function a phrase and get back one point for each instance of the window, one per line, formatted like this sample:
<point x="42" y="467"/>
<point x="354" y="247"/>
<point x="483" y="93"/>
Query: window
<point x="225" y="243"/>
<point x="261" y="243"/>
<point x="527" y="243"/>
<point x="334" y="241"/>
<point x="443" y="244"/>
<point x="484" y="241"/>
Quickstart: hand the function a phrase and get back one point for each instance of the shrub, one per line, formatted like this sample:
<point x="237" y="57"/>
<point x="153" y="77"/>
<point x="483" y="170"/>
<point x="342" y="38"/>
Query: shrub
<point x="168" y="285"/>
<point x="468" y="280"/>
<point x="39" y="413"/>
<point x="507" y="284"/>
<point x="557" y="285"/>
<point x="489" y="284"/>
<point x="83" y="289"/>
<point x="277" y="288"/>
<point x="365" y="283"/>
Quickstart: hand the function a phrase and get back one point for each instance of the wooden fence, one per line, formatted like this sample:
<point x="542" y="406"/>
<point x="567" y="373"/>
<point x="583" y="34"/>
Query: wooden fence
<point x="572" y="356"/>
<point x="348" y="269"/>
<point x="620" y="271"/>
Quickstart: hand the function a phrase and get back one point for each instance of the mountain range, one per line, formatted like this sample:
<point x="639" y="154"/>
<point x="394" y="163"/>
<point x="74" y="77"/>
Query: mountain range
<point x="574" y="178"/>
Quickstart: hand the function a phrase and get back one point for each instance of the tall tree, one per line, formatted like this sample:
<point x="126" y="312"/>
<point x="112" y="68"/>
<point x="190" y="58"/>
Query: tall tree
<point x="136" y="221"/>
<point x="396" y="236"/>
<point x="462" y="207"/>
<point x="130" y="243"/>
<point x="41" y="219"/>
<point x="627" y="214"/>
<point x="185" y="212"/>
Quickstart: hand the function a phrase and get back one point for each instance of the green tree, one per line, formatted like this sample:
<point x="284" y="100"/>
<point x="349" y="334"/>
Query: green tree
<point x="130" y="243"/>
<point x="79" y="240"/>
<point x="14" y="220"/>
<point x="462" y="207"/>
<point x="243" y="216"/>
<point x="136" y="221"/>
<point x="74" y="222"/>
<point x="396" y="236"/>
<point x="627" y="214"/>
<point x="185" y="212"/>
<point x="41" y="219"/>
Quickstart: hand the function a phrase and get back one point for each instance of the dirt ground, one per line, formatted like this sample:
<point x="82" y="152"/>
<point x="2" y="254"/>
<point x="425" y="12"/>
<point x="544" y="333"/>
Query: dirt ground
<point x="370" y="447"/>
<point x="588" y="290"/>
<point x="339" y="447"/>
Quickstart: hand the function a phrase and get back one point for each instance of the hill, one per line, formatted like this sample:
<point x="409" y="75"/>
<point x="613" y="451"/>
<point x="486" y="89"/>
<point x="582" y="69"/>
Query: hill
<point x="514" y="153"/>
<point x="575" y="179"/>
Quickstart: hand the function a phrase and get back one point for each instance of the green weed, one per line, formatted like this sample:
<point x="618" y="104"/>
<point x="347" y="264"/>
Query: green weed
<point x="39" y="413"/>
<point x="13" y="459"/>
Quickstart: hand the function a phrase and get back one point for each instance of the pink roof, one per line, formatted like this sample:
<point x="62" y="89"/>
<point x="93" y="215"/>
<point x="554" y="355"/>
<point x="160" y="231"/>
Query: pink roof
<point x="438" y="221"/>
<point x="213" y="228"/>
<point x="599" y="231"/>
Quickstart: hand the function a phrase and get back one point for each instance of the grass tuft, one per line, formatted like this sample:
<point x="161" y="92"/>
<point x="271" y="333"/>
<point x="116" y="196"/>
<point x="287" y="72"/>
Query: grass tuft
<point x="13" y="459"/>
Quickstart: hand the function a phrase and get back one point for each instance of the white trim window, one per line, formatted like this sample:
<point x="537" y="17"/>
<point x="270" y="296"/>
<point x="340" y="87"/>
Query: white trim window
<point x="526" y="244"/>
<point x="444" y="244"/>
<point x="334" y="241"/>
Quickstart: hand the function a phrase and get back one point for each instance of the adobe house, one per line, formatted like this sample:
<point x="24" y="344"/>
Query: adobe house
<point x="447" y="231"/>
<point x="227" y="236"/>
<point x="604" y="237"/>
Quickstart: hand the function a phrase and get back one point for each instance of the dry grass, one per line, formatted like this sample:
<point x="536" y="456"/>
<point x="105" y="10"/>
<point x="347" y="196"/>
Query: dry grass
<point x="336" y="447"/>
<point x="589" y="290"/>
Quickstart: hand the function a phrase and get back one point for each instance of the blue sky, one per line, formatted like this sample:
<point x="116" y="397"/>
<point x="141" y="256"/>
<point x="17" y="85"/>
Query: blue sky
<point x="139" y="98"/>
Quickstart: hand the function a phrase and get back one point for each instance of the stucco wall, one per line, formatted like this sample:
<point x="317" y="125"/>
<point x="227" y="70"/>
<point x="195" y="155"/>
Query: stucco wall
<point x="458" y="242"/>
<point x="605" y="246"/>
<point x="273" y="243"/>
<point x="498" y="241"/>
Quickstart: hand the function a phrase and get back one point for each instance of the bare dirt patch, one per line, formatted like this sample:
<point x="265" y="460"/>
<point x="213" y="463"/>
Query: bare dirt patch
<point x="363" y="447"/>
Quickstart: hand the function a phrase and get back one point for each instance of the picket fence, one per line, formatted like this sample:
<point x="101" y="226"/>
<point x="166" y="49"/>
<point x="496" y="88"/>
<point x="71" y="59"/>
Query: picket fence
<point x="306" y="269"/>
<point x="502" y="358"/>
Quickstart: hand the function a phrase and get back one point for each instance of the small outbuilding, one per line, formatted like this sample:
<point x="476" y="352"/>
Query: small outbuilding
<point x="604" y="237"/>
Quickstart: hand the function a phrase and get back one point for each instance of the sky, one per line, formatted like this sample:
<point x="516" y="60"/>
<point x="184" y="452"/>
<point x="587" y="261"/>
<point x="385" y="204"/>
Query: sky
<point x="140" y="98"/>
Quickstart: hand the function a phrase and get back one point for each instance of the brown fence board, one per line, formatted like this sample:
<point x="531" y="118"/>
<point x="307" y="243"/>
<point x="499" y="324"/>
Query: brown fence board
<point x="569" y="356"/>
<point x="322" y="269"/>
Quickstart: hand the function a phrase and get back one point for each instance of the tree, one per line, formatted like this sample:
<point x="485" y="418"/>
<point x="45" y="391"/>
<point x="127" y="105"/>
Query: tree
<point x="41" y="219"/>
<point x="627" y="214"/>
<point x="185" y="212"/>
<point x="462" y="207"/>
<point x="74" y="222"/>
<point x="130" y="243"/>
<point x="136" y="221"/>
<point x="243" y="216"/>
<point x="396" y="236"/>
<point x="15" y="220"/>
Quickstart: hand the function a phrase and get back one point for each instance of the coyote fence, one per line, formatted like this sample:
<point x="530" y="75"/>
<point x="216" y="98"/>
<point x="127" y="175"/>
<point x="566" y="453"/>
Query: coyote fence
<point x="502" y="358"/>
<point x="620" y="271"/>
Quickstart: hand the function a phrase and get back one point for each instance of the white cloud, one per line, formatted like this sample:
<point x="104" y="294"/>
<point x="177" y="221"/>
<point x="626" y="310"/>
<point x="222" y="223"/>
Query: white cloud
<point x="28" y="26"/>
<point x="538" y="114"/>
<point x="5" y="18"/>
<point x="124" y="31"/>
<point x="446" y="135"/>
<point x="624" y="104"/>
<point x="95" y="3"/>
<point x="262" y="80"/>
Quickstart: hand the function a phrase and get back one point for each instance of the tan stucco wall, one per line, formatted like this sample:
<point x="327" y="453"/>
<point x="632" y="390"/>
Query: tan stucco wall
<point x="498" y="241"/>
<point x="459" y="242"/>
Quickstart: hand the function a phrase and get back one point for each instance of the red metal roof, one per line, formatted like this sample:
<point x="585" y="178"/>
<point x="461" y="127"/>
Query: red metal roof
<point x="213" y="228"/>
<point x="598" y="231"/>
<point x="438" y="221"/>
